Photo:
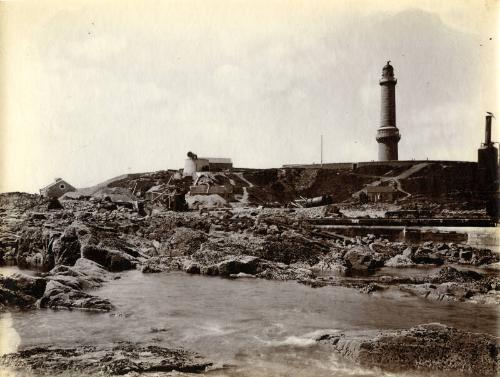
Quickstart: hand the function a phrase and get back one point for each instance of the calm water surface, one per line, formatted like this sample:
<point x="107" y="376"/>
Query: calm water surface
<point x="255" y="327"/>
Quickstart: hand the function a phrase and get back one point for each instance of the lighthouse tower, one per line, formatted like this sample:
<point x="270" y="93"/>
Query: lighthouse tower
<point x="388" y="134"/>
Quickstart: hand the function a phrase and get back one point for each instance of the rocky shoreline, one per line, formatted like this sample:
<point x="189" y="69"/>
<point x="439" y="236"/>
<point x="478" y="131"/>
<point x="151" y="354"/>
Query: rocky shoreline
<point x="87" y="243"/>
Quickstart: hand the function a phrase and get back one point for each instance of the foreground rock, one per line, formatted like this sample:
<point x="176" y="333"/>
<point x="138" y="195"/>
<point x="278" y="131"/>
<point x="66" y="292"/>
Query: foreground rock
<point x="60" y="296"/>
<point x="110" y="360"/>
<point x="65" y="287"/>
<point x="20" y="291"/>
<point x="62" y="288"/>
<point x="430" y="347"/>
<point x="113" y="260"/>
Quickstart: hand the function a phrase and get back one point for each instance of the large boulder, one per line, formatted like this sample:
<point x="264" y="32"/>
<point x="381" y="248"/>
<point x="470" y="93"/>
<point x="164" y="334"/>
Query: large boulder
<point x="66" y="249"/>
<point x="20" y="290"/>
<point x="401" y="260"/>
<point x="430" y="347"/>
<point x="191" y="267"/>
<point x="427" y="256"/>
<point x="362" y="258"/>
<point x="26" y="284"/>
<point x="243" y="263"/>
<point x="112" y="260"/>
<point x="218" y="249"/>
<point x="60" y="296"/>
<point x="333" y="261"/>
<point x="85" y="274"/>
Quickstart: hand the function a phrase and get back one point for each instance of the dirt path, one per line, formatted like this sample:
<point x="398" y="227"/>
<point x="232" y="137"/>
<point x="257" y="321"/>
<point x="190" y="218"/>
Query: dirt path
<point x="397" y="179"/>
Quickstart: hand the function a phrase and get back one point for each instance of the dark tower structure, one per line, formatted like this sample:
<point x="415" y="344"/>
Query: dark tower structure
<point x="487" y="154"/>
<point x="388" y="134"/>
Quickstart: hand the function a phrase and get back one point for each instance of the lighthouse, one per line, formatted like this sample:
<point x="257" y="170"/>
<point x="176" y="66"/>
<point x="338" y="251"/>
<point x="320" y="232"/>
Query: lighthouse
<point x="388" y="134"/>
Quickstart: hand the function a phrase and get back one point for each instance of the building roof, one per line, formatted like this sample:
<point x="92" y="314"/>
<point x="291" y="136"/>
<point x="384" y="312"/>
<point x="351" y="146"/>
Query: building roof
<point x="217" y="160"/>
<point x="57" y="181"/>
<point x="379" y="189"/>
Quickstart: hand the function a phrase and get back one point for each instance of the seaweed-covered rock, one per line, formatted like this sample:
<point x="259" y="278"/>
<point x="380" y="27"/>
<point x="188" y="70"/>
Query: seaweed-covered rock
<point x="106" y="360"/>
<point x="291" y="247"/>
<point x="430" y="347"/>
<point x="186" y="241"/>
<point x="450" y="274"/>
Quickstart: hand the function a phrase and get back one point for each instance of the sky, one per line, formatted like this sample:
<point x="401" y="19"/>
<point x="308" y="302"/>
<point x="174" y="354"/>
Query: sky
<point x="91" y="90"/>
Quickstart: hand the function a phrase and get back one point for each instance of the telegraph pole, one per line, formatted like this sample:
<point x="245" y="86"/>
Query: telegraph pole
<point x="321" y="150"/>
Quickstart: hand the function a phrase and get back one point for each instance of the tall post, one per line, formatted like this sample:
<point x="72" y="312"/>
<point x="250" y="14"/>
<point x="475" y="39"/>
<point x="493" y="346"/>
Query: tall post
<point x="321" y="150"/>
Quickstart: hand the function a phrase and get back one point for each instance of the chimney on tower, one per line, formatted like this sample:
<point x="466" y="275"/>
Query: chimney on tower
<point x="487" y="156"/>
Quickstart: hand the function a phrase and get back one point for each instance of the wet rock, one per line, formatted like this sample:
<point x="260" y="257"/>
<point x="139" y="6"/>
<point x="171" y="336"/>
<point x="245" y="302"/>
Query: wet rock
<point x="332" y="261"/>
<point x="26" y="284"/>
<point x="9" y="299"/>
<point x="482" y="292"/>
<point x="191" y="267"/>
<point x="400" y="260"/>
<point x="479" y="257"/>
<point x="371" y="288"/>
<point x="119" y="244"/>
<point x="362" y="258"/>
<point x="465" y="256"/>
<point x="162" y="264"/>
<point x="104" y="360"/>
<point x="244" y="263"/>
<point x="151" y="268"/>
<point x="430" y="347"/>
<point x="457" y="291"/>
<point x="60" y="296"/>
<point x="66" y="249"/>
<point x="450" y="274"/>
<point x="85" y="274"/>
<point x="21" y="291"/>
<point x="427" y="256"/>
<point x="281" y="271"/>
<point x="210" y="270"/>
<point x="112" y="260"/>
